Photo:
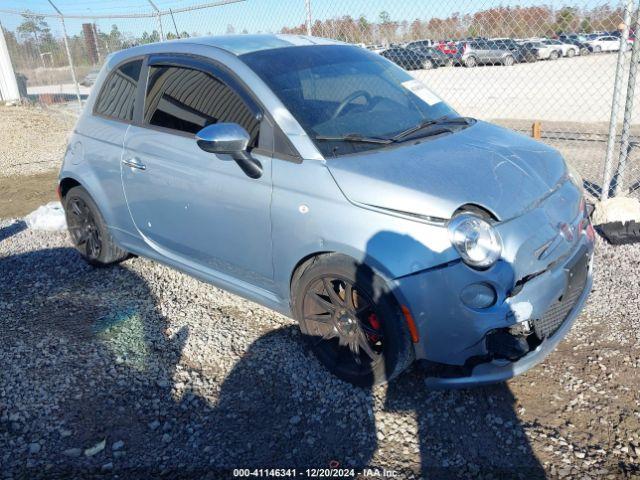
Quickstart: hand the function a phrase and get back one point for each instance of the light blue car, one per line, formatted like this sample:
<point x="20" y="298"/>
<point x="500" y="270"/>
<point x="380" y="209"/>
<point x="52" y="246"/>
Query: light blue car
<point x="322" y="181"/>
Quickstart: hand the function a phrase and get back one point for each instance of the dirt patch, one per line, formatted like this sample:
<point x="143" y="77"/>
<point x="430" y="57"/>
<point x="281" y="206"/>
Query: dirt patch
<point x="22" y="194"/>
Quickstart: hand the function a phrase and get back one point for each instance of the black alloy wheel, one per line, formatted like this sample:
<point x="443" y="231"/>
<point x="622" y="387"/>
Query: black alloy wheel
<point x="88" y="230"/>
<point x="351" y="320"/>
<point x="83" y="228"/>
<point x="344" y="323"/>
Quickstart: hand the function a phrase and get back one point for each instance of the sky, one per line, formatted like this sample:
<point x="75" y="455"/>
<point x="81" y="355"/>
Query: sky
<point x="255" y="15"/>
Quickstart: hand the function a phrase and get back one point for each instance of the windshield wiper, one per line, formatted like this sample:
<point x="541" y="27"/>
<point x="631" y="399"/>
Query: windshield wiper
<point x="355" y="138"/>
<point x="446" y="119"/>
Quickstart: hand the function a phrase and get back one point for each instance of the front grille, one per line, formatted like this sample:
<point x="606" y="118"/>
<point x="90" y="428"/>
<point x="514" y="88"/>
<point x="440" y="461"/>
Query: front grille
<point x="557" y="313"/>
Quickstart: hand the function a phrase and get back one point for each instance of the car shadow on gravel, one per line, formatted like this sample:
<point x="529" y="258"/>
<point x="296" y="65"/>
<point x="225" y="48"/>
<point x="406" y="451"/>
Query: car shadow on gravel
<point x="470" y="433"/>
<point x="93" y="384"/>
<point x="12" y="229"/>
<point x="461" y="433"/>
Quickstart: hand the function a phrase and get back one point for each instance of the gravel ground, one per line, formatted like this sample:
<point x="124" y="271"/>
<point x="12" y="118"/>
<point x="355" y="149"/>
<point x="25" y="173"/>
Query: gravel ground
<point x="32" y="139"/>
<point x="138" y="370"/>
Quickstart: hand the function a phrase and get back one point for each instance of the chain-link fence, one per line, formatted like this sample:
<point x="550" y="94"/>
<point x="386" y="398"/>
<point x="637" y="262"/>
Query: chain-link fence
<point x="561" y="72"/>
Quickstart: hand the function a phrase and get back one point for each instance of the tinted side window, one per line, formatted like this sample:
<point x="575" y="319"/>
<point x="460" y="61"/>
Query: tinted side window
<point x="187" y="100"/>
<point x="117" y="97"/>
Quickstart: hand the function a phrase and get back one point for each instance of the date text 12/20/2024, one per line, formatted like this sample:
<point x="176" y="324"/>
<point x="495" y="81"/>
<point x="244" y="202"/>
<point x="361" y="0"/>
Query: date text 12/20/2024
<point x="314" y="473"/>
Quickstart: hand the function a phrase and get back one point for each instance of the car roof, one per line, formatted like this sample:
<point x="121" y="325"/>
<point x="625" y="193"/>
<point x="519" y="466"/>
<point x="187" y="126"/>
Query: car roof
<point x="237" y="44"/>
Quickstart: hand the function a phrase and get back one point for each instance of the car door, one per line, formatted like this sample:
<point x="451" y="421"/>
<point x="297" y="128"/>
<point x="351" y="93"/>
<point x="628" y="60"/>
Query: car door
<point x="558" y="46"/>
<point x="612" y="44"/>
<point x="100" y="137"/>
<point x="602" y="43"/>
<point x="194" y="207"/>
<point x="495" y="52"/>
<point x="487" y="55"/>
<point x="400" y="58"/>
<point x="413" y="58"/>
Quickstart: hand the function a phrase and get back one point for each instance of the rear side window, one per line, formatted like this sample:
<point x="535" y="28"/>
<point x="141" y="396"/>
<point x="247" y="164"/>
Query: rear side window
<point x="118" y="94"/>
<point x="187" y="100"/>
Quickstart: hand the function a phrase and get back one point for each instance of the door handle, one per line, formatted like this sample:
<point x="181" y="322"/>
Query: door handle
<point x="134" y="163"/>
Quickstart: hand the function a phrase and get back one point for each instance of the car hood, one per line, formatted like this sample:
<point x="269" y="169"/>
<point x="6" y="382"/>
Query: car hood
<point x="486" y="165"/>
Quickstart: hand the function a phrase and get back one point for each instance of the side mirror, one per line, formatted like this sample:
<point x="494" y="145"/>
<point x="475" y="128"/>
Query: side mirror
<point x="230" y="139"/>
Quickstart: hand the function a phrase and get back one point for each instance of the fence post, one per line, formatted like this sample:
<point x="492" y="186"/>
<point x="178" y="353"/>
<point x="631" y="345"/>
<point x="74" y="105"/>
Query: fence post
<point x="9" y="91"/>
<point x="69" y="57"/>
<point x="307" y="8"/>
<point x="625" y="149"/>
<point x="73" y="70"/>
<point x="617" y="92"/>
<point x="159" y="17"/>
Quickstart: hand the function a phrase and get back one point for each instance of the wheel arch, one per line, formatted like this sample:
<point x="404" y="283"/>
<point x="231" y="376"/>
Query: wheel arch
<point x="302" y="264"/>
<point x="362" y="258"/>
<point x="394" y="294"/>
<point x="67" y="183"/>
<point x="86" y="178"/>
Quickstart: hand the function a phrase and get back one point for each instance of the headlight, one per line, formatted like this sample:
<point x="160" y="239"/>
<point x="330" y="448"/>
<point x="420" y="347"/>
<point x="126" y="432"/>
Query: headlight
<point x="475" y="239"/>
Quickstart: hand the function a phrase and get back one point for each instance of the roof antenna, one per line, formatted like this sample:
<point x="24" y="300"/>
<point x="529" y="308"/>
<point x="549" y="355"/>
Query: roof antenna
<point x="174" y="23"/>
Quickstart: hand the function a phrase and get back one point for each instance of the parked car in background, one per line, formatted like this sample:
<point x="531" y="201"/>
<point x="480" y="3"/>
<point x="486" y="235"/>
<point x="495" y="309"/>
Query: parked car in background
<point x="321" y="181"/>
<point x="544" y="52"/>
<point x="448" y="47"/>
<point x="618" y="34"/>
<point x="583" y="48"/>
<point x="568" y="37"/>
<point x="482" y="52"/>
<point x="439" y="58"/>
<point x="565" y="49"/>
<point x="607" y="43"/>
<point x="411" y="59"/>
<point x="520" y="52"/>
<point x="90" y="78"/>
<point x="417" y="44"/>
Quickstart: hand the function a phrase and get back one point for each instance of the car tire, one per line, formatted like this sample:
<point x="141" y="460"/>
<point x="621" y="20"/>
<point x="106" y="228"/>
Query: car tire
<point x="470" y="62"/>
<point x="597" y="49"/>
<point x="584" y="51"/>
<point x="330" y="319"/>
<point x="571" y="53"/>
<point x="427" y="65"/>
<point x="553" y="55"/>
<point x="508" y="61"/>
<point x="88" y="230"/>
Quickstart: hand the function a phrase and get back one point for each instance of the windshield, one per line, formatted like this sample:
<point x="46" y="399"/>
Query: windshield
<point x="339" y="93"/>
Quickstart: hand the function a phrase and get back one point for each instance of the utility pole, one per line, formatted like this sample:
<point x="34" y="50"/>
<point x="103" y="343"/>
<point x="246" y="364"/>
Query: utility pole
<point x="159" y="17"/>
<point x="66" y="46"/>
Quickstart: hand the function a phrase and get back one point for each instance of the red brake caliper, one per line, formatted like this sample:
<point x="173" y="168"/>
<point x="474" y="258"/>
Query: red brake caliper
<point x="375" y="324"/>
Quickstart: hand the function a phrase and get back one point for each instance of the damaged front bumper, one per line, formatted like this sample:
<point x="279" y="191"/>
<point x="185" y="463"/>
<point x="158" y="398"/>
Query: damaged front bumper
<point x="536" y="303"/>
<point x="494" y="370"/>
